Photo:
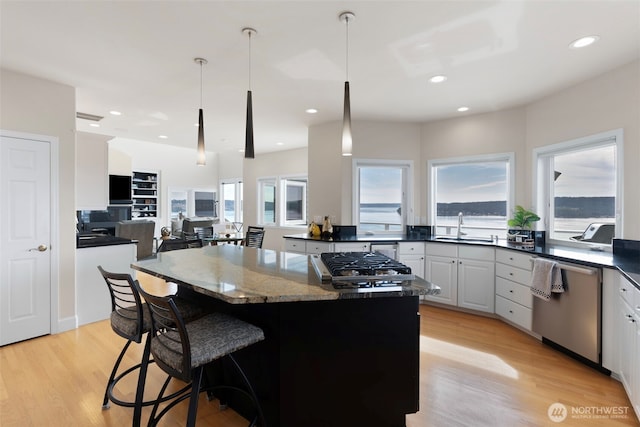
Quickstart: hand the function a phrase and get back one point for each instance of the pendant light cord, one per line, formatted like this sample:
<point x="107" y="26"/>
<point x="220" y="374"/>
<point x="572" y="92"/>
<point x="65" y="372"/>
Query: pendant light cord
<point x="347" y="44"/>
<point x="200" y="84"/>
<point x="249" y="32"/>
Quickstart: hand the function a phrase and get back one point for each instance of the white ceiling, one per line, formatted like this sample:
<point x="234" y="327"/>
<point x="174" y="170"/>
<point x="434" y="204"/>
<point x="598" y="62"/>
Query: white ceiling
<point x="137" y="57"/>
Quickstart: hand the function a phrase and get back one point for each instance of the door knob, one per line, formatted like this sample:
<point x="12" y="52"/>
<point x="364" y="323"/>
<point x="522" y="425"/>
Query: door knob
<point x="40" y="248"/>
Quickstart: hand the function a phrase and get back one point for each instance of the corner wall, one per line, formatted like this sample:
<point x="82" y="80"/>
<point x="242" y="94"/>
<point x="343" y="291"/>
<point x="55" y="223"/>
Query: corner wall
<point x="37" y="106"/>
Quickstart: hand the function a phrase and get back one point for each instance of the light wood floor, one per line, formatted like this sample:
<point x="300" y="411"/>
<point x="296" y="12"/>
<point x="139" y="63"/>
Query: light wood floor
<point x="475" y="371"/>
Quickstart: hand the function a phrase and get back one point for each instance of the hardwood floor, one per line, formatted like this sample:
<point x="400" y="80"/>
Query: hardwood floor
<point x="475" y="371"/>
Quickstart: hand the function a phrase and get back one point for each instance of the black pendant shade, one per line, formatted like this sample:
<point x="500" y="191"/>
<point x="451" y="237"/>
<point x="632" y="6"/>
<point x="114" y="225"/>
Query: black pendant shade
<point x="202" y="158"/>
<point x="347" y="140"/>
<point x="248" y="142"/>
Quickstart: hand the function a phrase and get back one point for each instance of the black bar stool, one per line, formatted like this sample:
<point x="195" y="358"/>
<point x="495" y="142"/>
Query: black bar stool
<point x="183" y="350"/>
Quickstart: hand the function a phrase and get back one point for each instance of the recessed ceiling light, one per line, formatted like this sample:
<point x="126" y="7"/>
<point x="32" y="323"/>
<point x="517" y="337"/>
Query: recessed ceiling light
<point x="583" y="42"/>
<point x="463" y="109"/>
<point x="279" y="143"/>
<point x="310" y="111"/>
<point x="94" y="125"/>
<point x="115" y="113"/>
<point x="163" y="136"/>
<point x="438" y="79"/>
<point x="241" y="150"/>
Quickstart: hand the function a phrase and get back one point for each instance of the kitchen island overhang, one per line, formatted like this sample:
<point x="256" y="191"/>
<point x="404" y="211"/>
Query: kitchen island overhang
<point x="330" y="357"/>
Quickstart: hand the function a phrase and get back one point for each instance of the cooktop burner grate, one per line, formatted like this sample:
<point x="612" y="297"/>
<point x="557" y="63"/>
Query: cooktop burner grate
<point x="358" y="264"/>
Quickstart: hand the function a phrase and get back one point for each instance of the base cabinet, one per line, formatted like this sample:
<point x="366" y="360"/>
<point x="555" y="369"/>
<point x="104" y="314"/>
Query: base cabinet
<point x="464" y="273"/>
<point x="411" y="254"/>
<point x="514" y="301"/>
<point x="629" y="341"/>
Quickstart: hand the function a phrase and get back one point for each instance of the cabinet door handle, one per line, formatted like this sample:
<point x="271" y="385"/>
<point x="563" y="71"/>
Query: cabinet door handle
<point x="511" y="311"/>
<point x="510" y="274"/>
<point x="511" y="290"/>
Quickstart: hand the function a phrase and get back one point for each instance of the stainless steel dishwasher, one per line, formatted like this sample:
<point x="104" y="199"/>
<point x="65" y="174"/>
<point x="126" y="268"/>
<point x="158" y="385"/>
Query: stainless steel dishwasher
<point x="571" y="320"/>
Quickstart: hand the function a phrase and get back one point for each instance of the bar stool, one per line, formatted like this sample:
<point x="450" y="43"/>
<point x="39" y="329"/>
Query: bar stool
<point x="183" y="350"/>
<point x="131" y="319"/>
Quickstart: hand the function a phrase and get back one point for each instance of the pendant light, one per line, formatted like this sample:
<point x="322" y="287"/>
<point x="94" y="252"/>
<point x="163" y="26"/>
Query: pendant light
<point x="347" y="140"/>
<point x="202" y="158"/>
<point x="248" y="140"/>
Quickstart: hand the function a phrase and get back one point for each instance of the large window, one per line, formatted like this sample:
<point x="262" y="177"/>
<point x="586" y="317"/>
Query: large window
<point x="579" y="188"/>
<point x="479" y="187"/>
<point x="190" y="202"/>
<point x="282" y="201"/>
<point x="231" y="191"/>
<point x="382" y="201"/>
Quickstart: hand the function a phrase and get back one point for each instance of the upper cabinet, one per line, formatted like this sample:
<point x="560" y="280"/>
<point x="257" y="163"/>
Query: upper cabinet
<point x="144" y="188"/>
<point x="92" y="176"/>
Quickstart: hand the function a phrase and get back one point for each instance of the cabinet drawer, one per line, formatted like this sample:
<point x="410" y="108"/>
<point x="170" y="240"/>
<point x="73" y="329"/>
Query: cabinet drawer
<point x="442" y="249"/>
<point x="352" y="247"/>
<point x="483" y="253"/>
<point x="294" y="245"/>
<point x="513" y="312"/>
<point x="513" y="273"/>
<point x="514" y="292"/>
<point x="318" y="247"/>
<point x="627" y="290"/>
<point x="411" y="248"/>
<point x="514" y="258"/>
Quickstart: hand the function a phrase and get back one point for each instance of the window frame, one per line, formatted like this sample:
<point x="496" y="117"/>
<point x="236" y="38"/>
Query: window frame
<point x="280" y="182"/>
<point x="542" y="184"/>
<point x="238" y="199"/>
<point x="407" y="207"/>
<point x="508" y="157"/>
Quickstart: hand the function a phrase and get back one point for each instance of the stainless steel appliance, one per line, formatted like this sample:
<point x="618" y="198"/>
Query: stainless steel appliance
<point x="571" y="320"/>
<point x="363" y="271"/>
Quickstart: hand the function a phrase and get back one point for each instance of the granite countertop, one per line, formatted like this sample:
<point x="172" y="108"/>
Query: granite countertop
<point x="628" y="264"/>
<point x="240" y="275"/>
<point x="97" y="240"/>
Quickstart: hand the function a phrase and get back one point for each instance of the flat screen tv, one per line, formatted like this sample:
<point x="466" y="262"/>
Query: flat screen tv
<point x="120" y="190"/>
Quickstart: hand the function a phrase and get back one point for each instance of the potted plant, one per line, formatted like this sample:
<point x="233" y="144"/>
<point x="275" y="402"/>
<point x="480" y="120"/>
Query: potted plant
<point x="520" y="224"/>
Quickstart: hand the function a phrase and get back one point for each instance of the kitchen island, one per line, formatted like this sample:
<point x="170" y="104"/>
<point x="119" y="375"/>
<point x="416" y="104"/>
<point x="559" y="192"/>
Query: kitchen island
<point x="330" y="357"/>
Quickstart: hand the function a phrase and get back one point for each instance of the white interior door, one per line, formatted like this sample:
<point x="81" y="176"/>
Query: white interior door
<point x="25" y="238"/>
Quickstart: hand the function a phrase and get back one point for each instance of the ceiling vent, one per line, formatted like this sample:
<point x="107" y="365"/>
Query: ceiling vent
<point x="87" y="116"/>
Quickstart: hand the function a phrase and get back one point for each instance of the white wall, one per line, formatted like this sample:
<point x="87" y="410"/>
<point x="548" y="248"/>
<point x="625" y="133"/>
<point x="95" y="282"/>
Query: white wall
<point x="278" y="164"/>
<point x="607" y="102"/>
<point x="33" y="105"/>
<point x="176" y="166"/>
<point x="330" y="174"/>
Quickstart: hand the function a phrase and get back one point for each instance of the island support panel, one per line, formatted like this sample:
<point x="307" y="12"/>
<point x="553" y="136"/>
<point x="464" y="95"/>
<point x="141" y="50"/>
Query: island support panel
<point x="341" y="363"/>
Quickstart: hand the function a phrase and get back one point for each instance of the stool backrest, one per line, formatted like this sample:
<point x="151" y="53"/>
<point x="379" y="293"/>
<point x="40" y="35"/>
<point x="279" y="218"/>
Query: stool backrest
<point x="254" y="237"/>
<point x="170" y="336"/>
<point x="125" y="304"/>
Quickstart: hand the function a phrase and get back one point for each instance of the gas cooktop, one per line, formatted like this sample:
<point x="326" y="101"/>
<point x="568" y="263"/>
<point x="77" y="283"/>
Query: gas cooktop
<point x="366" y="271"/>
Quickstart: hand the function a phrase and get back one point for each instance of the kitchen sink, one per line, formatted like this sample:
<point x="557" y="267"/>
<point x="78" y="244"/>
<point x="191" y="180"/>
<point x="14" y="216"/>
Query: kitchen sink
<point x="465" y="239"/>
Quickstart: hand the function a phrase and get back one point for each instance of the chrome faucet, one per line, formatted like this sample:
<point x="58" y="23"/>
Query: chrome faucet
<point x="460" y="222"/>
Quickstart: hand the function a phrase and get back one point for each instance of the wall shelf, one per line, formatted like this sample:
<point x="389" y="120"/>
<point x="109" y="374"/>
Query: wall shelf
<point x="144" y="189"/>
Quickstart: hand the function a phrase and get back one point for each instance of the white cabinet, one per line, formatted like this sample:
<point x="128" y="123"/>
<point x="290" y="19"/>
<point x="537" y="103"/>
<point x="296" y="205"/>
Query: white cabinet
<point x="93" y="302"/>
<point x="295" y="245"/>
<point x="465" y="274"/>
<point x="441" y="268"/>
<point x="476" y="278"/>
<point x="313" y="247"/>
<point x="514" y="301"/>
<point x="411" y="254"/>
<point x="628" y="346"/>
<point x="92" y="175"/>
<point x="351" y="247"/>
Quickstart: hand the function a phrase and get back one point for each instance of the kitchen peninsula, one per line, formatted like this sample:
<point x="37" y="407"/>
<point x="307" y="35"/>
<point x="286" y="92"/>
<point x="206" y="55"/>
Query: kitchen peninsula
<point x="331" y="357"/>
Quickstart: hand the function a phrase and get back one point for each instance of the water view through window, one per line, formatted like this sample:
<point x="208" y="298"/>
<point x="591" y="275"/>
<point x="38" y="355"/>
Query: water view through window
<point x="479" y="191"/>
<point x="380" y="204"/>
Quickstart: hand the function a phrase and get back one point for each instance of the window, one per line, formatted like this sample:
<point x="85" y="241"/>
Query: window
<point x="232" y="200"/>
<point x="479" y="187"/>
<point x="295" y="201"/>
<point x="579" y="189"/>
<point x="382" y="195"/>
<point x="282" y="201"/>
<point x="267" y="201"/>
<point x="190" y="202"/>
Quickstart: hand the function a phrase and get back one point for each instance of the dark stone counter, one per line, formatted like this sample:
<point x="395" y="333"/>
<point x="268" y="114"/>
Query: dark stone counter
<point x="96" y="240"/>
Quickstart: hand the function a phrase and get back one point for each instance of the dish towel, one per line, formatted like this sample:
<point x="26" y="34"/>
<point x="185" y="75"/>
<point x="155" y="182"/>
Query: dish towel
<point x="545" y="278"/>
